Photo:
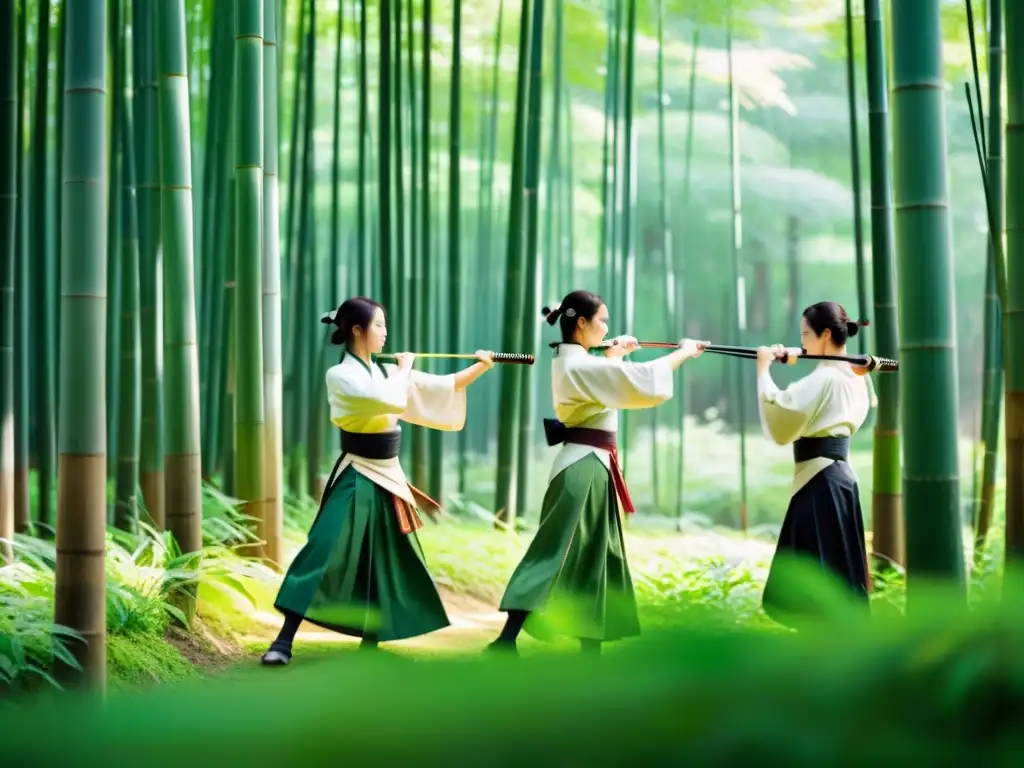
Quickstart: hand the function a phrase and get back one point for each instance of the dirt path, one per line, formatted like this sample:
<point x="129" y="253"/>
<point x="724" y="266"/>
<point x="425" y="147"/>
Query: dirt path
<point x="475" y="622"/>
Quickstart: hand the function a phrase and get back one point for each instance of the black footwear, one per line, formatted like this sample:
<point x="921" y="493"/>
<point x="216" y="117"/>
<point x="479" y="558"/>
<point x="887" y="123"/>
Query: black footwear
<point x="275" y="658"/>
<point x="502" y="646"/>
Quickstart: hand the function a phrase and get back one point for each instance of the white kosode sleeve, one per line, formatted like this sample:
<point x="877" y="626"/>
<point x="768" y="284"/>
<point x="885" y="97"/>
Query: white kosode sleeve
<point x="785" y="413"/>
<point x="364" y="395"/>
<point x="622" y="385"/>
<point x="433" y="402"/>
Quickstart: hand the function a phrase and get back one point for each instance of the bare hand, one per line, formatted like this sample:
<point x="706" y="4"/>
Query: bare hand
<point x="485" y="357"/>
<point x="693" y="348"/>
<point x="405" y="360"/>
<point x="622" y="346"/>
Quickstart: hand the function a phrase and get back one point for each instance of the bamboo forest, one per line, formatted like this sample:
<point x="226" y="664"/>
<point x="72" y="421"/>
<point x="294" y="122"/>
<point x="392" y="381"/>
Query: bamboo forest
<point x="190" y="190"/>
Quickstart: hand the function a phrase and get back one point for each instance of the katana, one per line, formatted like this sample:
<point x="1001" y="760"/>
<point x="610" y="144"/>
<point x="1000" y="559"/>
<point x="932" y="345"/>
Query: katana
<point x="511" y="358"/>
<point x="789" y="357"/>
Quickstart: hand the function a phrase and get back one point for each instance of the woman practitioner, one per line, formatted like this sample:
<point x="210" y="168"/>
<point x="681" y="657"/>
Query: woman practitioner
<point x="362" y="570"/>
<point x="574" y="579"/>
<point x="818" y="414"/>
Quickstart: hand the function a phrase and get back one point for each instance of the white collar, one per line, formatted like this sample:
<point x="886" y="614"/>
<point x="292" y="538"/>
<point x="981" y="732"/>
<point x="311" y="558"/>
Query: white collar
<point x="570" y="350"/>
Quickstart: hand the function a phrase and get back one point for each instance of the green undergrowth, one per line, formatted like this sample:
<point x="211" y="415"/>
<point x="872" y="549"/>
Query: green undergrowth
<point x="706" y="576"/>
<point x="942" y="686"/>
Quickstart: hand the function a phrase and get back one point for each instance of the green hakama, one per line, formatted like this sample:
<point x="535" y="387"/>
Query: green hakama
<point x="574" y="578"/>
<point x="358" y="573"/>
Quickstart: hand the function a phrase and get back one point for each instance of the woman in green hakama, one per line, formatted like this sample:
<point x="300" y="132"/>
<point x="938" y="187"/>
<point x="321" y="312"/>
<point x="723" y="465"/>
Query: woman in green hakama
<point x="362" y="570"/>
<point x="574" y="579"/>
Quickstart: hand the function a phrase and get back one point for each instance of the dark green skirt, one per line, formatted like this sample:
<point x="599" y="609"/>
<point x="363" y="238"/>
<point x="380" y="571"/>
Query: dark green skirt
<point x="358" y="573"/>
<point x="574" y="578"/>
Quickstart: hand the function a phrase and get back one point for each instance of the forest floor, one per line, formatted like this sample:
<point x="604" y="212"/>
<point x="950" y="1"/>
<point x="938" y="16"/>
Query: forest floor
<point x="471" y="565"/>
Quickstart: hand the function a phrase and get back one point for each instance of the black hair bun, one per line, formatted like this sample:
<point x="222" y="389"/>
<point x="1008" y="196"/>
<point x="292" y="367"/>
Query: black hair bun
<point x="852" y="328"/>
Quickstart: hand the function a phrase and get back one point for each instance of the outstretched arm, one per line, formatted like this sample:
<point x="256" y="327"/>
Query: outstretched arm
<point x="465" y="377"/>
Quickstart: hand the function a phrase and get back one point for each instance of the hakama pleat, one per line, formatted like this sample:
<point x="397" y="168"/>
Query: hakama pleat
<point x="358" y="573"/>
<point x="574" y="579"/>
<point x="823" y="527"/>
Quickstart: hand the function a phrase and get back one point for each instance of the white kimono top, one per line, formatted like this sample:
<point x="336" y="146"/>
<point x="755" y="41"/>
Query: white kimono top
<point x="589" y="391"/>
<point x="363" y="400"/>
<point x="831" y="401"/>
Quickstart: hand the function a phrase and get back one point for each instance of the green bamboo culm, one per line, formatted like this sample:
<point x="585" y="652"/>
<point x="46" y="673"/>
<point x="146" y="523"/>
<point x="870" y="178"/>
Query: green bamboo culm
<point x="80" y="591"/>
<point x="992" y="389"/>
<point x="858" y="221"/>
<point x="928" y="384"/>
<point x="21" y="304"/>
<point x="126" y="509"/>
<point x="680" y="271"/>
<point x="740" y="313"/>
<point x="147" y="198"/>
<point x="668" y="262"/>
<point x="508" y="426"/>
<point x="530" y="339"/>
<point x="248" y="320"/>
<point x="1013" y="310"/>
<point x="8" y="212"/>
<point x="455" y="294"/>
<point x="273" y="395"/>
<point x="44" y="284"/>
<point x="182" y="471"/>
<point x="886" y="496"/>
<point x="115" y="35"/>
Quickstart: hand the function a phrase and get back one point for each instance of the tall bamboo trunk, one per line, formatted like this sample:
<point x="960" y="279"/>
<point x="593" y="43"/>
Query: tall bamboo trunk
<point x="273" y="417"/>
<point x="992" y="387"/>
<point x="508" y="427"/>
<point x="858" y="225"/>
<point x="21" y="302"/>
<point x="80" y="593"/>
<point x="421" y="459"/>
<point x="1013" y="311"/>
<point x="182" y="470"/>
<point x="8" y="213"/>
<point x="680" y="270"/>
<point x="43" y="299"/>
<point x="455" y="296"/>
<point x="115" y="34"/>
<point x="386" y="264"/>
<point x="151" y="451"/>
<point x="925" y="280"/>
<point x="667" y="261"/>
<point x="126" y="510"/>
<point x="530" y="338"/>
<point x="629" y="189"/>
<point x="740" y="313"/>
<point x="248" y="254"/>
<point x="886" y="495"/>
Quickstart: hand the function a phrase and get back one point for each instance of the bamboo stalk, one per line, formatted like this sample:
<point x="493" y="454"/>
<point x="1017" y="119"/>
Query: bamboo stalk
<point x="508" y="426"/>
<point x="151" y="458"/>
<point x="182" y="470"/>
<point x="886" y="495"/>
<point x="126" y="511"/>
<point x="8" y="215"/>
<point x="249" y="422"/>
<point x="737" y="245"/>
<point x="1013" y="306"/>
<point x="926" y="290"/>
<point x="80" y="593"/>
<point x="44" y="285"/>
<point x="993" y="330"/>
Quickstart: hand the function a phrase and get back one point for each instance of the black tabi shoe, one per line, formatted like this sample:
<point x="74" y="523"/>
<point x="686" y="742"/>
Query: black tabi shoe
<point x="503" y="647"/>
<point x="275" y="658"/>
